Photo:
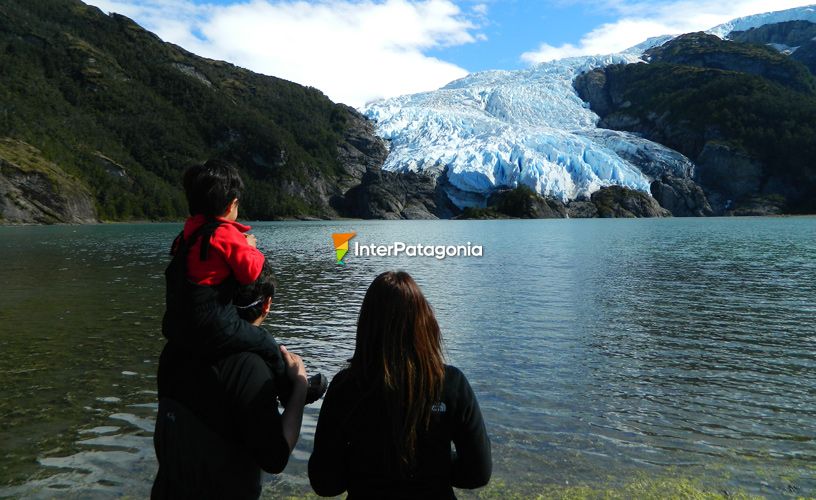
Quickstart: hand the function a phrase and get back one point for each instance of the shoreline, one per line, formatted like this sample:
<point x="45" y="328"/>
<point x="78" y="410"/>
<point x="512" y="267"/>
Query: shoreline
<point x="343" y="219"/>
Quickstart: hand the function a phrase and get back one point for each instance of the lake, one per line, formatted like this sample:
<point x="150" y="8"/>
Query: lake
<point x="601" y="351"/>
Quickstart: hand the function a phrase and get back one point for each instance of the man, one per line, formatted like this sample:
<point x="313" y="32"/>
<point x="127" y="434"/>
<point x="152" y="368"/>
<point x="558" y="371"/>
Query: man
<point x="218" y="423"/>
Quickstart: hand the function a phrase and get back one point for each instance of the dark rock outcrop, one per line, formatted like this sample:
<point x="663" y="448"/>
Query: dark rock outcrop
<point x="393" y="195"/>
<point x="729" y="171"/>
<point x="33" y="190"/>
<point x="592" y="88"/>
<point x="759" y="206"/>
<point x="620" y="202"/>
<point x="360" y="151"/>
<point x="609" y="202"/>
<point x="681" y="196"/>
<point x="582" y="209"/>
<point x="524" y="203"/>
<point x="366" y="191"/>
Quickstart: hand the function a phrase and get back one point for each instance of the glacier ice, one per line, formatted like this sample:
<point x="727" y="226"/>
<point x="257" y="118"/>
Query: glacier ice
<point x="745" y="23"/>
<point x="499" y="129"/>
<point x="503" y="128"/>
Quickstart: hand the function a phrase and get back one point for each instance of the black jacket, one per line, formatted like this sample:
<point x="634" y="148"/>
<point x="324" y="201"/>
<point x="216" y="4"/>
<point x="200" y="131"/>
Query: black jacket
<point x="218" y="425"/>
<point x="354" y="452"/>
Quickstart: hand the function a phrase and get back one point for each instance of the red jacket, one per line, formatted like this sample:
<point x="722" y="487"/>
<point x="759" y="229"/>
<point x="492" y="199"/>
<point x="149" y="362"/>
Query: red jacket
<point x="229" y="254"/>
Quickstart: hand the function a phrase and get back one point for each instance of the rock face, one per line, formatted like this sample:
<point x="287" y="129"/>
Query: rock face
<point x="608" y="202"/>
<point x="681" y="196"/>
<point x="33" y="190"/>
<point x="524" y="203"/>
<point x="618" y="202"/>
<point x="360" y="151"/>
<point x="759" y="206"/>
<point x="391" y="195"/>
<point x="582" y="209"/>
<point x="367" y="191"/>
<point x="729" y="171"/>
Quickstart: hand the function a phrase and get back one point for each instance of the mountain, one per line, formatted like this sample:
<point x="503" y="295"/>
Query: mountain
<point x="99" y="118"/>
<point x="734" y="135"/>
<point x="744" y="113"/>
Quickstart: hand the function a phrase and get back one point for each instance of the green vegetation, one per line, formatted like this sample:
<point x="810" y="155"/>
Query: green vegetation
<point x="126" y="113"/>
<point x="764" y="105"/>
<point x="709" y="51"/>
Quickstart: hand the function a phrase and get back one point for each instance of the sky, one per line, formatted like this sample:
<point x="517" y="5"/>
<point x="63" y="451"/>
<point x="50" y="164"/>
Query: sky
<point x="358" y="51"/>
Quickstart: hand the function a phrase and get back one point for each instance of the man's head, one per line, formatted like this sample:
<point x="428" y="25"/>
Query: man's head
<point x="212" y="188"/>
<point x="254" y="300"/>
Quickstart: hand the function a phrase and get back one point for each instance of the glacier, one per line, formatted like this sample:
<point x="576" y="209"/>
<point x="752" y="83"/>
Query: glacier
<point x="498" y="129"/>
<point x="807" y="13"/>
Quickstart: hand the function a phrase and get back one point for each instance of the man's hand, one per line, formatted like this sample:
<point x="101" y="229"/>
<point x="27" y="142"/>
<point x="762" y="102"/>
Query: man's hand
<point x="251" y="241"/>
<point x="293" y="414"/>
<point x="295" y="369"/>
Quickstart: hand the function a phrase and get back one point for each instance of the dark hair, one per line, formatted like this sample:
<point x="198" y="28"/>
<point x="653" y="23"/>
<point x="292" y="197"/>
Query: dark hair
<point x="249" y="299"/>
<point x="211" y="187"/>
<point x="399" y="349"/>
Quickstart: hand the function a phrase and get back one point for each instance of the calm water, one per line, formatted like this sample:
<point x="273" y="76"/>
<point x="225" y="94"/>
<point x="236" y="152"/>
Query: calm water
<point x="599" y="349"/>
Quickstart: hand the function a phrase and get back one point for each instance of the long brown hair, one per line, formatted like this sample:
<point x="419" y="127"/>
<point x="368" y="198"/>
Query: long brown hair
<point x="399" y="349"/>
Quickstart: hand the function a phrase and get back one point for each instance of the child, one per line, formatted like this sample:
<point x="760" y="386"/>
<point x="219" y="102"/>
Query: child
<point x="211" y="258"/>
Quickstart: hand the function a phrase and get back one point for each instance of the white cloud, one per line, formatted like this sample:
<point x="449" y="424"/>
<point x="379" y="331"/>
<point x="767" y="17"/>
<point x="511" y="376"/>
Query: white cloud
<point x="640" y="20"/>
<point x="353" y="50"/>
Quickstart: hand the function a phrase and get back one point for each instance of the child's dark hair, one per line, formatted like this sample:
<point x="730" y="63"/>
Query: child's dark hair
<point x="211" y="187"/>
<point x="249" y="298"/>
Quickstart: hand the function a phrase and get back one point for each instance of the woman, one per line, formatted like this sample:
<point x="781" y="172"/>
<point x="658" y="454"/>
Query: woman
<point x="388" y="420"/>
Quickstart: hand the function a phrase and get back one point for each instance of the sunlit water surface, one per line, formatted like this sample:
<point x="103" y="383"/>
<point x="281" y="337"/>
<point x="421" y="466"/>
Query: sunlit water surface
<point x="599" y="350"/>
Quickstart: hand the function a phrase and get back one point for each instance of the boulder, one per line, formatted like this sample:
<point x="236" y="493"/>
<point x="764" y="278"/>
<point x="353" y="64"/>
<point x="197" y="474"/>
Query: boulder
<point x="681" y="196"/>
<point x="392" y="195"/>
<point x="582" y="209"/>
<point x="621" y="202"/>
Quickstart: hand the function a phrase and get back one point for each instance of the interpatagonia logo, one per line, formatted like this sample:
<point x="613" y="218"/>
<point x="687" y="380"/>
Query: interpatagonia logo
<point x="401" y="249"/>
<point x="341" y="245"/>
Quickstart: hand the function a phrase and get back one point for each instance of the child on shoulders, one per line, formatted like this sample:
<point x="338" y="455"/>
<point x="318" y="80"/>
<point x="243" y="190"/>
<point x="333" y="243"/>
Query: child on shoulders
<point x="212" y="256"/>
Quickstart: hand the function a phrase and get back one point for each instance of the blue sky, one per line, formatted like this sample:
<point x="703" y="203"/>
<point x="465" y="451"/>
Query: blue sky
<point x="356" y="51"/>
<point x="514" y="27"/>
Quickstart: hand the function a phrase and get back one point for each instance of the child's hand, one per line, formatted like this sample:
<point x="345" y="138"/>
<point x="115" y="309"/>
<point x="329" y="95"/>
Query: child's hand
<point x="251" y="240"/>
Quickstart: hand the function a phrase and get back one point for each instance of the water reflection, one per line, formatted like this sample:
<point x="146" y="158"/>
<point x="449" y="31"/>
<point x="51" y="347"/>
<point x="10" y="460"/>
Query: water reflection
<point x="596" y="347"/>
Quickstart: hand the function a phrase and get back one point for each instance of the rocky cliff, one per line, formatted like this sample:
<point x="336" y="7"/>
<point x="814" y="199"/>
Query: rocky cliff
<point x="34" y="190"/>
